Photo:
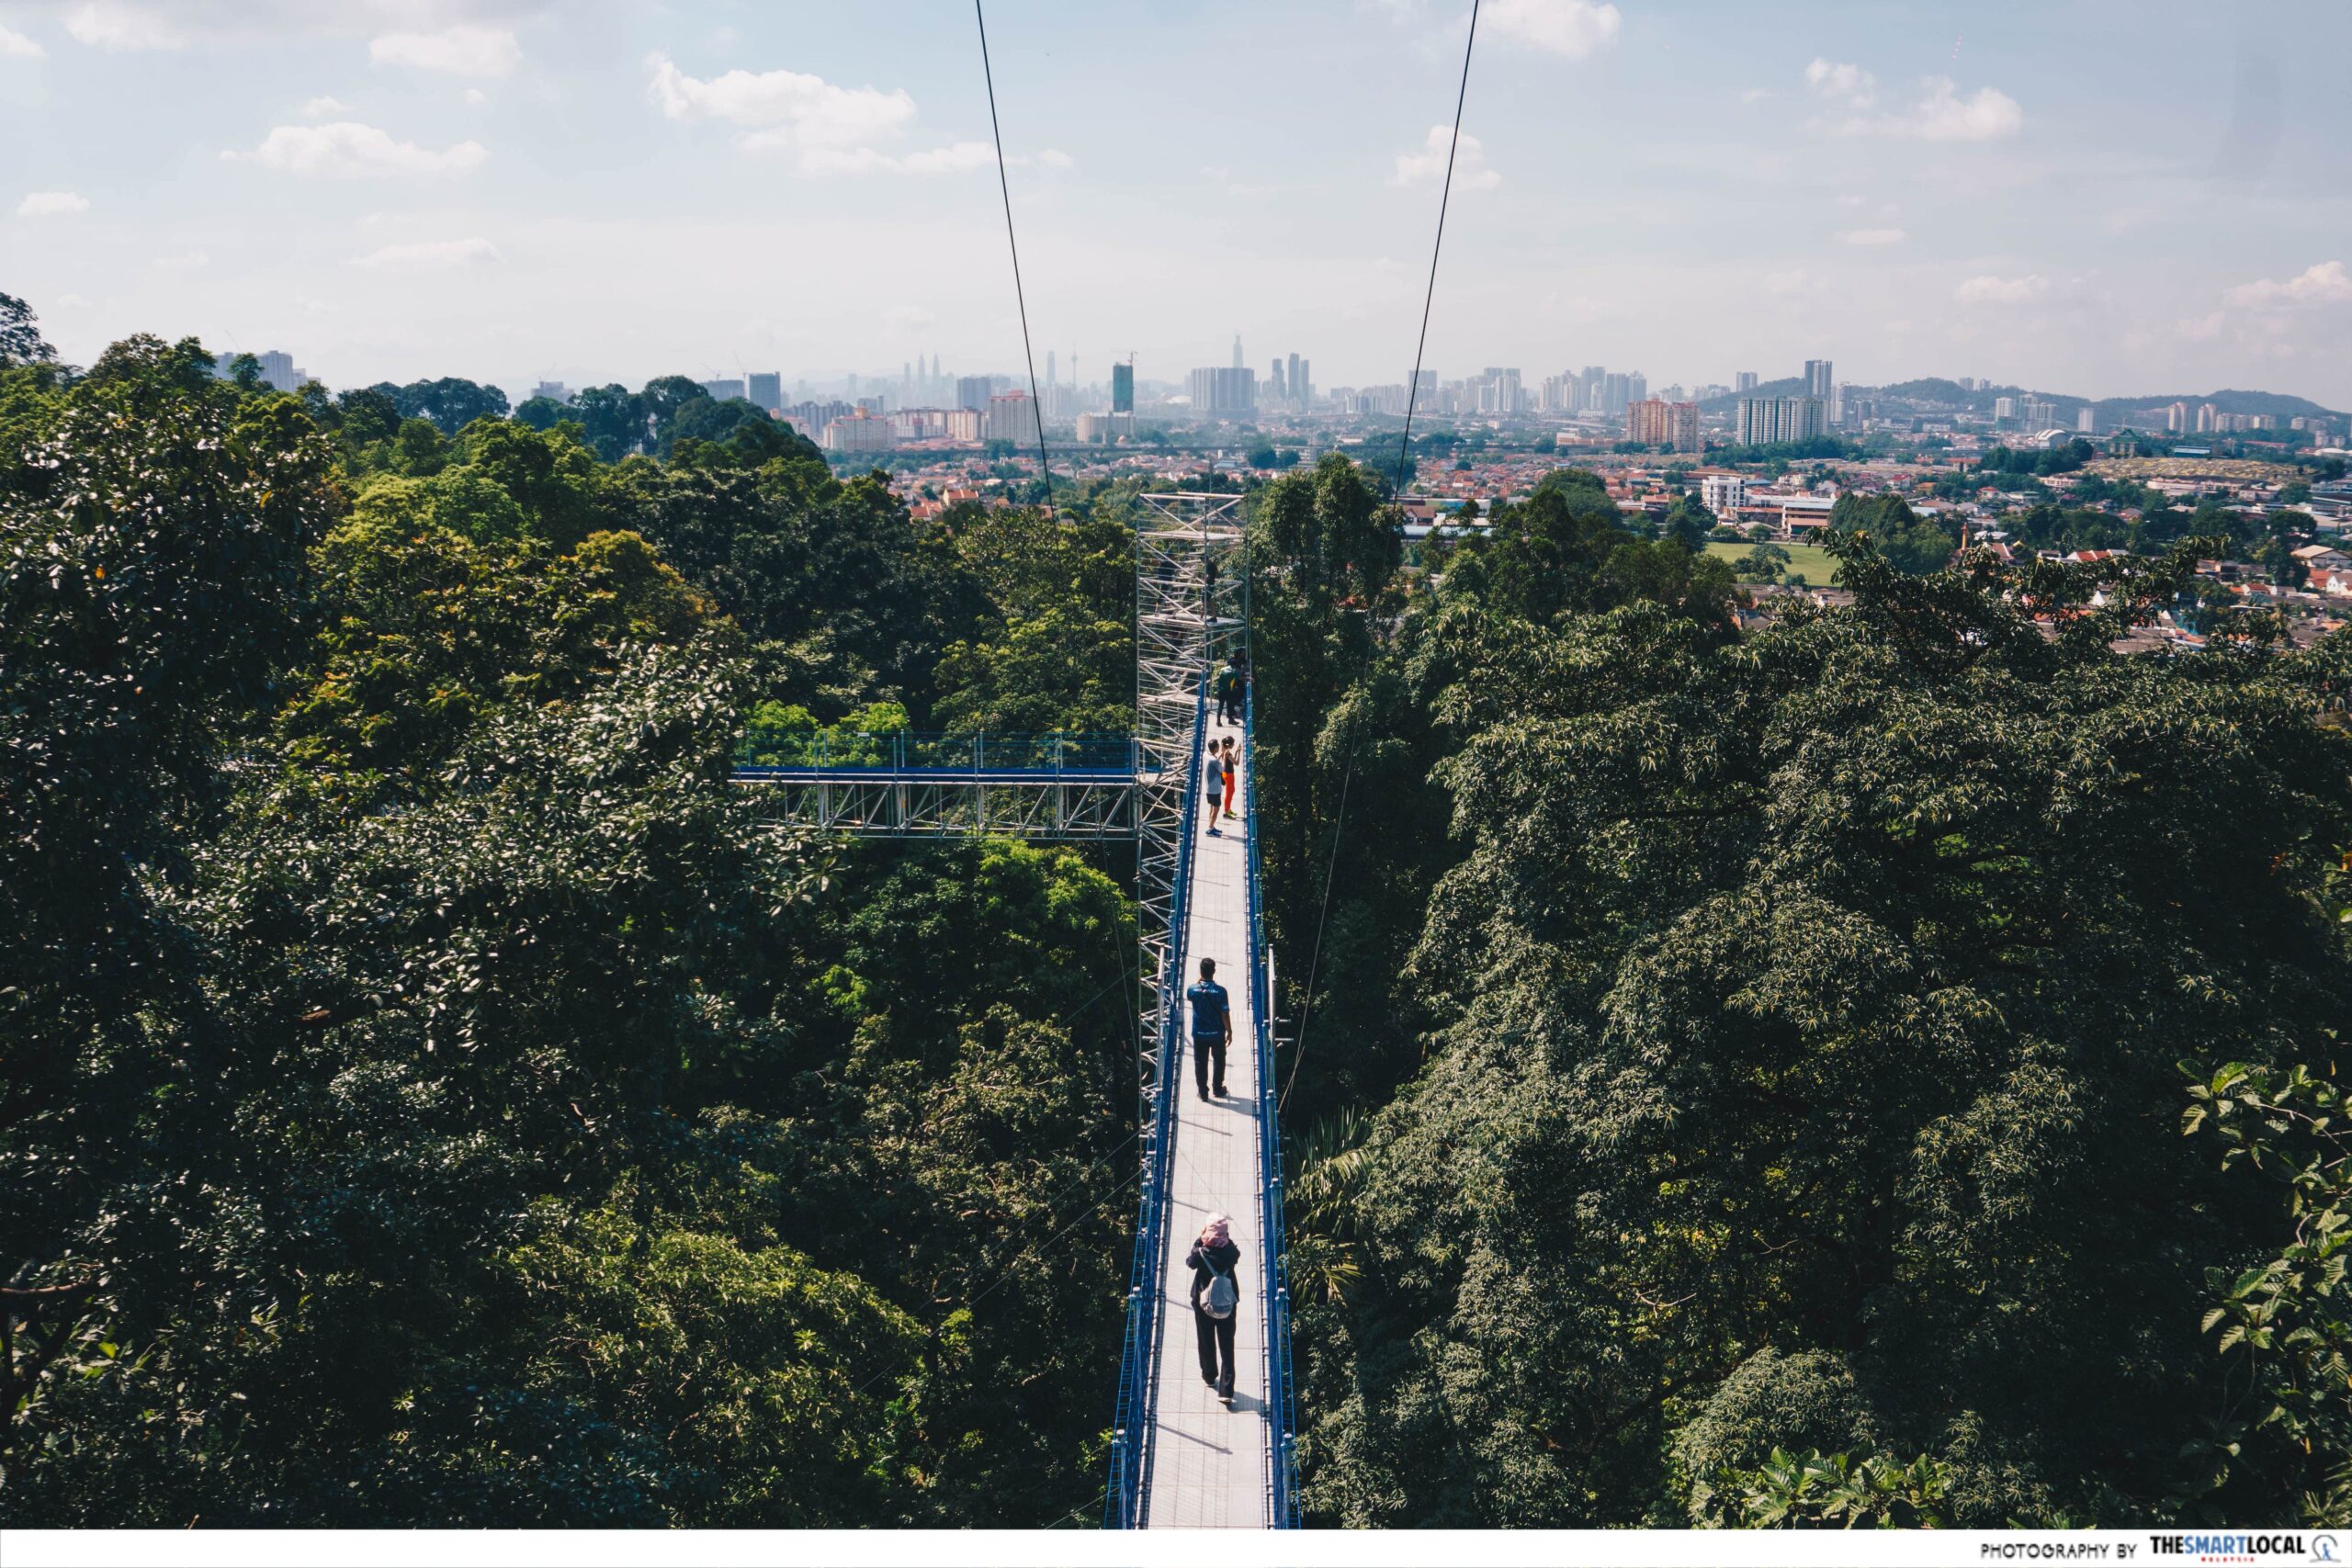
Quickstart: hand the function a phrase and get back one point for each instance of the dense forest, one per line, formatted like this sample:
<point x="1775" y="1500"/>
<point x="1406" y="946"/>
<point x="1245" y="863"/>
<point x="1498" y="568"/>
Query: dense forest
<point x="1874" y="1067"/>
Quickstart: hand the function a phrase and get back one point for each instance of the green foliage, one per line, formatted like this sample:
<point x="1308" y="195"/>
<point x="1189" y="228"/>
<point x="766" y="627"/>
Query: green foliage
<point x="1902" y="537"/>
<point x="428" y="1095"/>
<point x="1764" y="562"/>
<point x="1564" y="551"/>
<point x="1817" y="1491"/>
<point x="1768" y="1000"/>
<point x="2282" y="1325"/>
<point x="20" y="339"/>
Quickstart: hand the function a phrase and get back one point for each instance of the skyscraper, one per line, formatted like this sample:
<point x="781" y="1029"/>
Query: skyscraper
<point x="972" y="391"/>
<point x="1298" y="381"/>
<point x="1276" y="387"/>
<point x="1743" y="382"/>
<point x="1818" y="382"/>
<point x="767" y="389"/>
<point x="1237" y="361"/>
<point x="1049" y="367"/>
<point x="1123" y="387"/>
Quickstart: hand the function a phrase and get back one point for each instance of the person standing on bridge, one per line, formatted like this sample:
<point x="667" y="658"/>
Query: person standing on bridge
<point x="1232" y="773"/>
<point x="1232" y="687"/>
<point x="1215" y="1261"/>
<point x="1212" y="782"/>
<point x="1212" y="1024"/>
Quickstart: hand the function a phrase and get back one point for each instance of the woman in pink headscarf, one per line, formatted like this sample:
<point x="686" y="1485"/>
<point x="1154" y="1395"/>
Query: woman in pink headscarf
<point x="1216" y="1284"/>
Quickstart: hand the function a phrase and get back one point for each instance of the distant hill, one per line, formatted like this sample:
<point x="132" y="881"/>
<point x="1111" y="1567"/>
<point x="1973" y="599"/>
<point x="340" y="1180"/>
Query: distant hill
<point x="2111" y="411"/>
<point x="1786" y="386"/>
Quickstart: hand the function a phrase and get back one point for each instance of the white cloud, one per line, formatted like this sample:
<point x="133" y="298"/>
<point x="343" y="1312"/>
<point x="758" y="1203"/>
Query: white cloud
<point x="15" y="45"/>
<point x="475" y="98"/>
<point x="1783" y="284"/>
<point x="2200" y="329"/>
<point x="459" y="50"/>
<point x="192" y="261"/>
<point x="1470" y="171"/>
<point x="1991" y="290"/>
<point x="108" y="24"/>
<point x="51" y="204"/>
<point x="2325" y="284"/>
<point x="324" y="109"/>
<point x="1572" y="28"/>
<point x="1940" y="114"/>
<point x="1853" y="201"/>
<point x="1755" y="95"/>
<point x="907" y="319"/>
<point x="1873" y="236"/>
<point x="430" y="255"/>
<point x="347" y="150"/>
<point x="1055" y="158"/>
<point x="1833" y="80"/>
<point x="787" y="107"/>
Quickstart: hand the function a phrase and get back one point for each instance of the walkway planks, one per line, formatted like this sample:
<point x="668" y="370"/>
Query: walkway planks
<point x="1210" y="1467"/>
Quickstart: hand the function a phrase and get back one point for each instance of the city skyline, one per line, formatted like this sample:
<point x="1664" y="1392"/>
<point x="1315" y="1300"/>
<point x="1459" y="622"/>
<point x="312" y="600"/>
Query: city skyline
<point x="2094" y="205"/>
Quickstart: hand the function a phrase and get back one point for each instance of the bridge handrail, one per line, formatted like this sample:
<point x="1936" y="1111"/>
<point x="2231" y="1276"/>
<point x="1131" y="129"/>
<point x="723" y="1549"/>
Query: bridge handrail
<point x="1123" y="1495"/>
<point x="765" y="746"/>
<point x="1281" y="1396"/>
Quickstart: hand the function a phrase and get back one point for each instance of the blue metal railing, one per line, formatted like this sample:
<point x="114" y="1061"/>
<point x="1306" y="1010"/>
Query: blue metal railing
<point x="927" y="751"/>
<point x="1281" y="1396"/>
<point x="1123" y="1498"/>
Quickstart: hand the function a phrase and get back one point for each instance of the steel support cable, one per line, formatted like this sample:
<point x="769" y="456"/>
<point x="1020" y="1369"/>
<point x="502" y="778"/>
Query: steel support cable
<point x="1404" y="446"/>
<point x="1036" y="404"/>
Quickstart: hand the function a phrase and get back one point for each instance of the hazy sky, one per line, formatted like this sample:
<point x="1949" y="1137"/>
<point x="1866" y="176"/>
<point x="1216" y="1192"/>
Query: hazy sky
<point x="2101" y="197"/>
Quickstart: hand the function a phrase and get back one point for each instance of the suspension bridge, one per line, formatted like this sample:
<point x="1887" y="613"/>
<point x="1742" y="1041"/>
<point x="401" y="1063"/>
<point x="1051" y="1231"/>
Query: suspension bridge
<point x="1180" y="1457"/>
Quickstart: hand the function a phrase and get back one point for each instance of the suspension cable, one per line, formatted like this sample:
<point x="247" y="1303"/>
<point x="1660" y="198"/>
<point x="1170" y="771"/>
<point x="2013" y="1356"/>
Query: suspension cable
<point x="1036" y="403"/>
<point x="1445" y="196"/>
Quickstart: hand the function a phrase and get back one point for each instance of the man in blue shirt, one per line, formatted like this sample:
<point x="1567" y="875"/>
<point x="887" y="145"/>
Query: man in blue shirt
<point x="1211" y="1022"/>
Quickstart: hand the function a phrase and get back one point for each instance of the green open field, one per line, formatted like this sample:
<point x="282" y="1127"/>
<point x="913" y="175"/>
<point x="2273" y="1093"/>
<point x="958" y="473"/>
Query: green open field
<point x="1815" y="562"/>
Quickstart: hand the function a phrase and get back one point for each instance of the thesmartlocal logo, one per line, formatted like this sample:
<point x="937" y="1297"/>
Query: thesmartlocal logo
<point x="2237" y="1546"/>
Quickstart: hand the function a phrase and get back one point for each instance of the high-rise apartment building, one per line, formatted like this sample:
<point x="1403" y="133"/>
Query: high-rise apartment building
<point x="2086" y="422"/>
<point x="1818" y="381"/>
<point x="1012" y="416"/>
<point x="974" y="391"/>
<point x="861" y="433"/>
<point x="1771" y="422"/>
<point x="1743" y="382"/>
<point x="1275" y="387"/>
<point x="1653" y="422"/>
<point x="1298" y="381"/>
<point x="2005" y="408"/>
<point x="1123" y="388"/>
<point x="554" y="391"/>
<point x="1219" y="392"/>
<point x="767" y="389"/>
<point x="2206" y="422"/>
<point x="723" y="389"/>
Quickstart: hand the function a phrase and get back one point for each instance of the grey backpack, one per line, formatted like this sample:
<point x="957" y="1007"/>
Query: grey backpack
<point x="1219" y="1299"/>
